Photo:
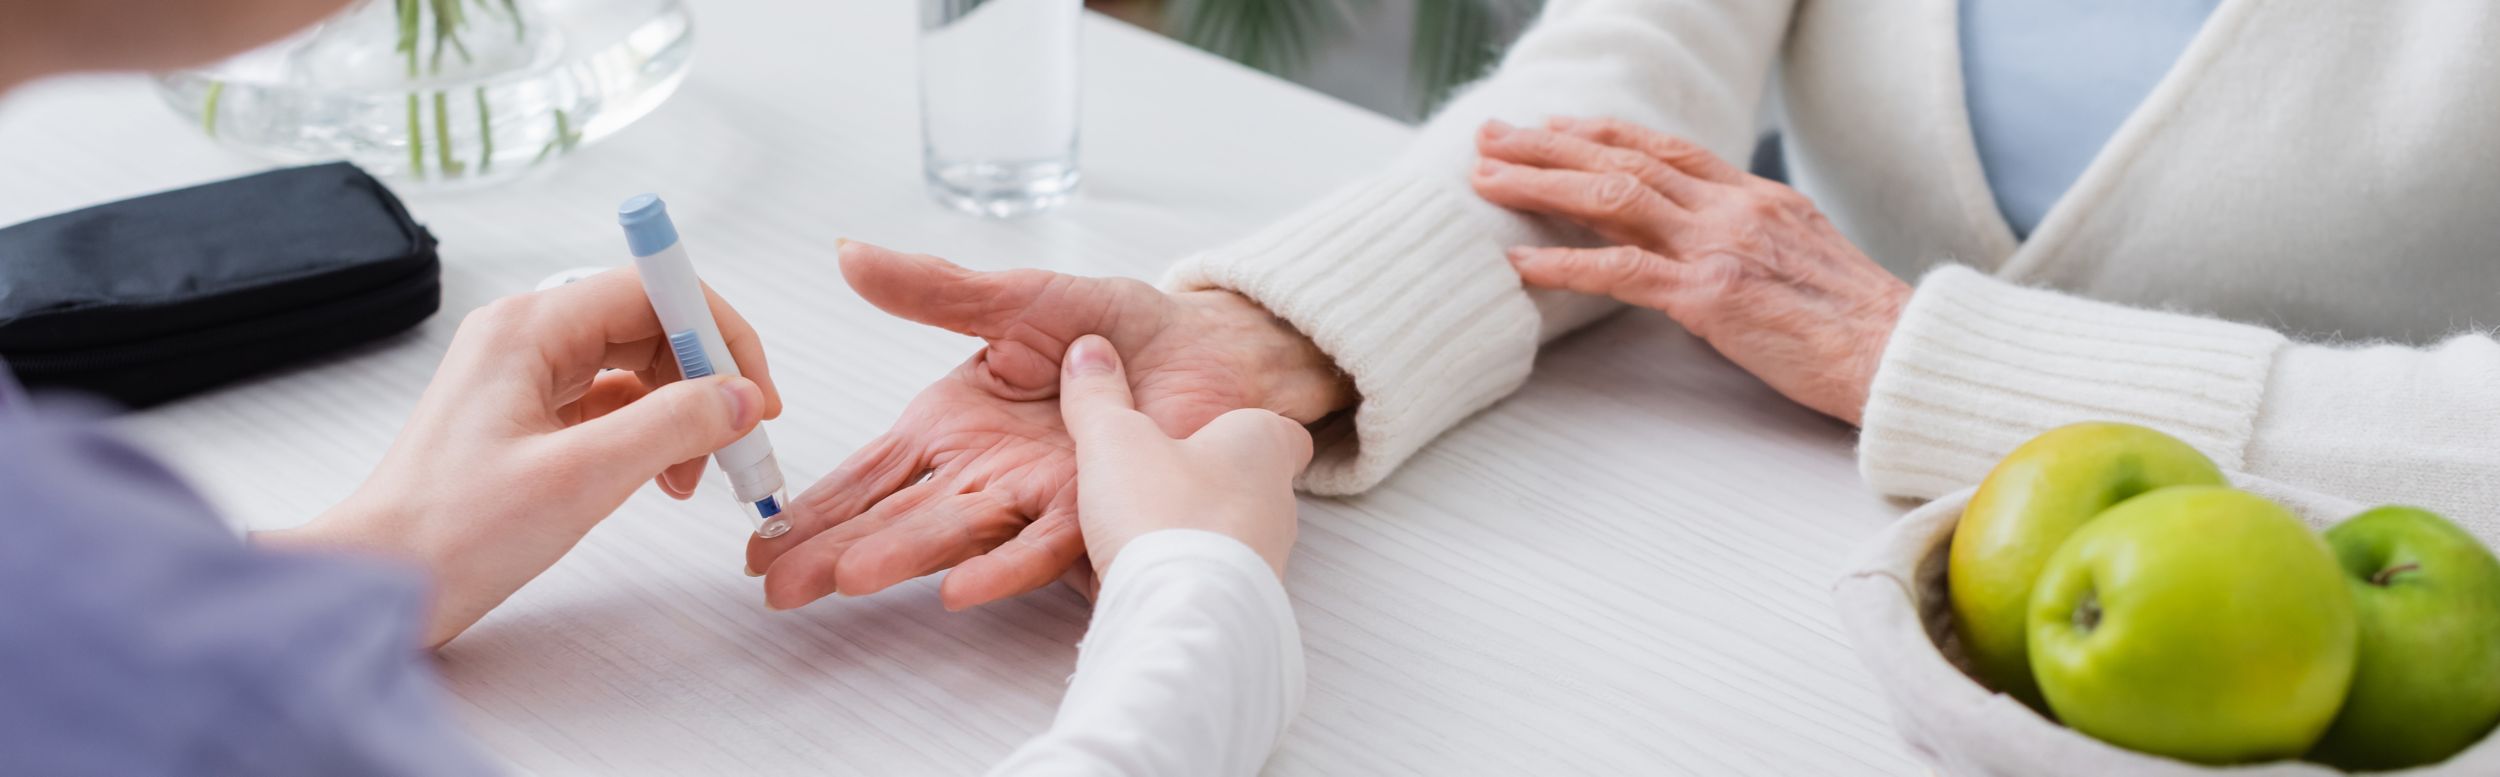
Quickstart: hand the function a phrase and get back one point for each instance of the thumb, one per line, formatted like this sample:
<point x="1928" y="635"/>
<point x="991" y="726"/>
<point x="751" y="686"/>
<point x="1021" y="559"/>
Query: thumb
<point x="936" y="292"/>
<point x="1260" y="435"/>
<point x="1093" y="393"/>
<point x="688" y="419"/>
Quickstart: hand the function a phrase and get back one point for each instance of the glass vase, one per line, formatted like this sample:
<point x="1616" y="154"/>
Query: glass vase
<point x="444" y="92"/>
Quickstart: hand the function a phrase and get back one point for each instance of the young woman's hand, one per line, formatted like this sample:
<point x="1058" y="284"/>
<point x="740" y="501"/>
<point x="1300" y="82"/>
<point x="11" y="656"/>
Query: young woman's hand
<point x="1744" y="262"/>
<point x="549" y="410"/>
<point x="1233" y="477"/>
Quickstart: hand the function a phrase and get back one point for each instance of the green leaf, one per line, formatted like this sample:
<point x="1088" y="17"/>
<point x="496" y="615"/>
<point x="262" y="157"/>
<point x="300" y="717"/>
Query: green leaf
<point x="1456" y="42"/>
<point x="408" y="27"/>
<point x="447" y="23"/>
<point x="520" y="28"/>
<point x="564" y="140"/>
<point x="485" y="133"/>
<point x="451" y="167"/>
<point x="1272" y="35"/>
<point x="208" y="113"/>
<point x="416" y="138"/>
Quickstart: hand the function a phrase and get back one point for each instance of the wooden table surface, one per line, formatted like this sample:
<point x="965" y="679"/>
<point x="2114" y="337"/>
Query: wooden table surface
<point x="1623" y="569"/>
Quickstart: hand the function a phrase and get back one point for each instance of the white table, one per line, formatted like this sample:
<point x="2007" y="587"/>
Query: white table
<point x="1622" y="569"/>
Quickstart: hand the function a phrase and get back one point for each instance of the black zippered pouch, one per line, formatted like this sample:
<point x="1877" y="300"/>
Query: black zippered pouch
<point x="150" y="299"/>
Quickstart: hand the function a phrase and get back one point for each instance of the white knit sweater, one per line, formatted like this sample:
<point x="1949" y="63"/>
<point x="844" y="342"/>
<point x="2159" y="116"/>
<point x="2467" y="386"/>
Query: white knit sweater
<point x="2324" y="170"/>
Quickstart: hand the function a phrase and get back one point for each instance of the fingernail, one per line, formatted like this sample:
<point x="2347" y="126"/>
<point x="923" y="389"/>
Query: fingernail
<point x="1495" y="128"/>
<point x="1561" y="122"/>
<point x="840" y="243"/>
<point x="1092" y="356"/>
<point x="1516" y="253"/>
<point x="746" y="402"/>
<point x="1488" y="168"/>
<point x="750" y="570"/>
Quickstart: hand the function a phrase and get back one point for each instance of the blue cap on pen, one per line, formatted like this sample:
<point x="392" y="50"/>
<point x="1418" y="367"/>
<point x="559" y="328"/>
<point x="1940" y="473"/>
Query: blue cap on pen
<point x="647" y="228"/>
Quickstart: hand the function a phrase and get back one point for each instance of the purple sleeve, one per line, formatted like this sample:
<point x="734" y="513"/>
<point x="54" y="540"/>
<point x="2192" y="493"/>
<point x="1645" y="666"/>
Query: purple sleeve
<point x="139" y="636"/>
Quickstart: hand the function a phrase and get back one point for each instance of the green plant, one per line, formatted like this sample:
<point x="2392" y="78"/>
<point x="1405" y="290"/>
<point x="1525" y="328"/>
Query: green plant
<point x="427" y="31"/>
<point x="1271" y="35"/>
<point x="1455" y="41"/>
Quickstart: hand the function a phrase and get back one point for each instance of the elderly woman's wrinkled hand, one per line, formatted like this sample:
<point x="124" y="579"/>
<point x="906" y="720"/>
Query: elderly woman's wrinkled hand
<point x="1746" y="263"/>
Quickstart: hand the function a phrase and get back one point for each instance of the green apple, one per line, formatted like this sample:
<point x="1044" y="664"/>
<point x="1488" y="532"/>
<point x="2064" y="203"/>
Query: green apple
<point x="2427" y="681"/>
<point x="2025" y="509"/>
<point x="2201" y="623"/>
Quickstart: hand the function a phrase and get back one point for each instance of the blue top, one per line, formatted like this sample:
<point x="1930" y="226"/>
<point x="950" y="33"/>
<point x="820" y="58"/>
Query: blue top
<point x="2049" y="81"/>
<point x="140" y="637"/>
<point x="647" y="228"/>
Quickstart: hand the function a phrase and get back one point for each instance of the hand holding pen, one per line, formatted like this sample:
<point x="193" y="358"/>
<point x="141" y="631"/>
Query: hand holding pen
<point x="549" y="410"/>
<point x="679" y="297"/>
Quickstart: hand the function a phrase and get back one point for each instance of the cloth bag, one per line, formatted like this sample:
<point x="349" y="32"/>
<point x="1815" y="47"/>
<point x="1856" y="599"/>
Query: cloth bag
<point x="149" y="299"/>
<point x="1893" y="607"/>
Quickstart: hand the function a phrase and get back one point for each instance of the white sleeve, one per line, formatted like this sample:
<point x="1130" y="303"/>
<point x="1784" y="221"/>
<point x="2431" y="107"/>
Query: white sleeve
<point x="1978" y="365"/>
<point x="1193" y="666"/>
<point x="1400" y="277"/>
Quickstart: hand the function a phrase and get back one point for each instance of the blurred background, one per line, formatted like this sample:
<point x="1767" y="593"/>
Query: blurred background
<point x="1400" y="58"/>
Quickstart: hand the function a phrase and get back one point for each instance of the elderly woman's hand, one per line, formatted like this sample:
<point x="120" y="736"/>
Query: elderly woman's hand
<point x="1747" y="264"/>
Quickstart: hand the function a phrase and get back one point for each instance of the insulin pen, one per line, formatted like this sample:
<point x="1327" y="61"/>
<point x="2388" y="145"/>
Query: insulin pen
<point x="686" y="317"/>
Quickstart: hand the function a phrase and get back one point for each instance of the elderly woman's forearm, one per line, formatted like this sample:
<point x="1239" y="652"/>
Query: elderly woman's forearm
<point x="1978" y="365"/>
<point x="1399" y="277"/>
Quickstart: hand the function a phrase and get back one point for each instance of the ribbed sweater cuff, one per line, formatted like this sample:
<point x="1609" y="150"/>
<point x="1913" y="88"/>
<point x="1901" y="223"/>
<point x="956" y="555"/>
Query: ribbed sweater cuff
<point x="1392" y="279"/>
<point x="1977" y="366"/>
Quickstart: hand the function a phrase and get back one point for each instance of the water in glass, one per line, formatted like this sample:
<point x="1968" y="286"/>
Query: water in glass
<point x="998" y="103"/>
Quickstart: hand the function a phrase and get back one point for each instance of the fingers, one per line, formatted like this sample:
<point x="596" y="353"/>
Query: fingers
<point x="949" y="531"/>
<point x="1539" y="148"/>
<point x="1626" y="273"/>
<point x="934" y="291"/>
<point x="1046" y="550"/>
<point x="607" y="392"/>
<point x="873" y="473"/>
<point x="810" y="570"/>
<point x="1617" y="205"/>
<point x="746" y="347"/>
<point x="679" y="421"/>
<point x="924" y="529"/>
<point x="613" y="389"/>
<point x="1094" y="395"/>
<point x="1682" y="154"/>
<point x="680" y="479"/>
<point x="657" y="362"/>
<point x="1261" y="435"/>
<point x="606" y="321"/>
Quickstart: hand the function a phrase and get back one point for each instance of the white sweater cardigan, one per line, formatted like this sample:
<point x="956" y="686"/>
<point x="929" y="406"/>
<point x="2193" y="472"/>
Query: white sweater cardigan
<point x="2311" y="176"/>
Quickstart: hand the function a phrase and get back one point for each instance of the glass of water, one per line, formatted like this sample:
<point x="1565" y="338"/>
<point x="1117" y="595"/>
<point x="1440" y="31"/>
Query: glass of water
<point x="998" y="103"/>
